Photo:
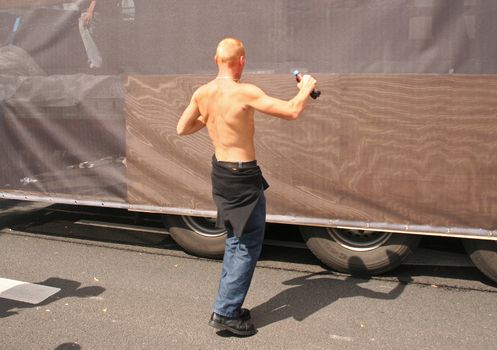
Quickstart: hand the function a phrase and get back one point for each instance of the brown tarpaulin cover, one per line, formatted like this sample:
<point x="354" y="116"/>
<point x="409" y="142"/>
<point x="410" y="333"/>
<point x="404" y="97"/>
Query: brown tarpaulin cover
<point x="404" y="133"/>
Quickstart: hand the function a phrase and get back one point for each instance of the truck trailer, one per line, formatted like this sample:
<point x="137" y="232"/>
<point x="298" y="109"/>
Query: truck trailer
<point x="401" y="144"/>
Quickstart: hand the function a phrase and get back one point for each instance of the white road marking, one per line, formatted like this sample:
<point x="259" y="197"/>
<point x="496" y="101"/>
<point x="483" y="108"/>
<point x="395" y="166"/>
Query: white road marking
<point x="24" y="291"/>
<point x="339" y="337"/>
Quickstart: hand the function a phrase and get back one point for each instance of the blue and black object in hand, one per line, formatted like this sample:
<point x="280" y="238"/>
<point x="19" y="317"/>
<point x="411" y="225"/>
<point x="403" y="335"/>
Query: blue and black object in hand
<point x="298" y="76"/>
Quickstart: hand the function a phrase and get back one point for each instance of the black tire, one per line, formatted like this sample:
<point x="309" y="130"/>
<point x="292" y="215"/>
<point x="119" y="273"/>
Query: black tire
<point x="483" y="253"/>
<point x="196" y="235"/>
<point x="358" y="252"/>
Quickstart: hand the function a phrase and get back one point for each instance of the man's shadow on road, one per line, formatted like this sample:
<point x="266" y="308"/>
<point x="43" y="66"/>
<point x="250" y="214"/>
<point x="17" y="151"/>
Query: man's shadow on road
<point x="68" y="289"/>
<point x="314" y="292"/>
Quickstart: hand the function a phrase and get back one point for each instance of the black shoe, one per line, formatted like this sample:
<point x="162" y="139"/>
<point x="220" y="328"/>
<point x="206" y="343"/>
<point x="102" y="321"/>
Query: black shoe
<point x="244" y="314"/>
<point x="236" y="326"/>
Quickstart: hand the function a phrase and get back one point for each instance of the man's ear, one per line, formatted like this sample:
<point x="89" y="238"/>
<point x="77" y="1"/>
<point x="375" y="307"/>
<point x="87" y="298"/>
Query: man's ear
<point x="242" y="60"/>
<point x="215" y="59"/>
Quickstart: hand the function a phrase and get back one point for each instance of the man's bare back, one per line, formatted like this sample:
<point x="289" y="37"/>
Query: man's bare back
<point x="227" y="106"/>
<point x="229" y="120"/>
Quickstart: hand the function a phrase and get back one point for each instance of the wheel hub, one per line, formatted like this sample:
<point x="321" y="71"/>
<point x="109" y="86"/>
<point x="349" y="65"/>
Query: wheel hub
<point x="203" y="226"/>
<point x="359" y="240"/>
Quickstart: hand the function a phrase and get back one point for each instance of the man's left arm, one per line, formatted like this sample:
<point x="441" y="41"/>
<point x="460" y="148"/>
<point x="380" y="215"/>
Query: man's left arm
<point x="191" y="120"/>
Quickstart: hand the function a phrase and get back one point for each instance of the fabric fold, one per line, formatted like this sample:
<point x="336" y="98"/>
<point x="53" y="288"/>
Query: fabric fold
<point x="236" y="191"/>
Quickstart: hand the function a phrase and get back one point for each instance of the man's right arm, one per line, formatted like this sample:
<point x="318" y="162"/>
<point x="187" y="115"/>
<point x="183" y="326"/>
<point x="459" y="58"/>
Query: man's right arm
<point x="289" y="110"/>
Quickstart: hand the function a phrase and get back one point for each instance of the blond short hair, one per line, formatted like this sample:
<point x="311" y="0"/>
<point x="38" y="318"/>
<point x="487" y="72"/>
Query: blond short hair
<point x="229" y="50"/>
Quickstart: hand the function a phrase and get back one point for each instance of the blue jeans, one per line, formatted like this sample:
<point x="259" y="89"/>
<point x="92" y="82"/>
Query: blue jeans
<point x="240" y="257"/>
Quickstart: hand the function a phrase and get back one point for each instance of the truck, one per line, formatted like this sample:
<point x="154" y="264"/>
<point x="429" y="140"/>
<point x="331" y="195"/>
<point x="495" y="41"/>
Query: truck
<point x="401" y="144"/>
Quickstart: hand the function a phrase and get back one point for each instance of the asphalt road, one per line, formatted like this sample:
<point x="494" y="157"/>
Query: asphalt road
<point x="124" y="289"/>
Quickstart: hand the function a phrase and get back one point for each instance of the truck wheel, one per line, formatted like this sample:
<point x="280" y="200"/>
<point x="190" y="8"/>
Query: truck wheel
<point x="483" y="253"/>
<point x="359" y="252"/>
<point x="196" y="235"/>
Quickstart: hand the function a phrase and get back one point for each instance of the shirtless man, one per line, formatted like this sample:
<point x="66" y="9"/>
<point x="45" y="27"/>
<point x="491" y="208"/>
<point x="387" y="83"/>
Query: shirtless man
<point x="226" y="106"/>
